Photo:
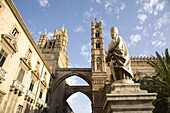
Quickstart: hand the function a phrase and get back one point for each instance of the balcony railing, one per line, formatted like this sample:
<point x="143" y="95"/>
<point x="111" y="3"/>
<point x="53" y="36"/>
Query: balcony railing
<point x="18" y="87"/>
<point x="3" y="74"/>
<point x="30" y="95"/>
<point x="40" y="102"/>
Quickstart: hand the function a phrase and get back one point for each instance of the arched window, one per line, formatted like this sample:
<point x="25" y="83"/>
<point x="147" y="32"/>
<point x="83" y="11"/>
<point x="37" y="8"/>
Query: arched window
<point x="97" y="34"/>
<point x="45" y="45"/>
<point x="99" y="63"/>
<point x="98" y="45"/>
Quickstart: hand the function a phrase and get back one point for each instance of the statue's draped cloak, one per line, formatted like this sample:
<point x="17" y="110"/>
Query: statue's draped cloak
<point x="118" y="51"/>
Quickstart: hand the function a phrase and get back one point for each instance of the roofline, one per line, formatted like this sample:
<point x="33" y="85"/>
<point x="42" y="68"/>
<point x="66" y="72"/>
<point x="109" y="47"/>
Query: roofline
<point x="25" y="29"/>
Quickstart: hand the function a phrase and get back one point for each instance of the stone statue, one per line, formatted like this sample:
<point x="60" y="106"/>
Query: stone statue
<point x="118" y="57"/>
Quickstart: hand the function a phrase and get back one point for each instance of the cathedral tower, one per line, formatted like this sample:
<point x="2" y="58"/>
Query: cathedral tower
<point x="98" y="55"/>
<point x="54" y="49"/>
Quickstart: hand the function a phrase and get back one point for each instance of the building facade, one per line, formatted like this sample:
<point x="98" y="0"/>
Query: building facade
<point x="24" y="72"/>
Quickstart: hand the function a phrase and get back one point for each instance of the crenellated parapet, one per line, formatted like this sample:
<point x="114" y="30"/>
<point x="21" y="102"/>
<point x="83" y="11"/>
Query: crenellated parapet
<point x="140" y="64"/>
<point x="142" y="58"/>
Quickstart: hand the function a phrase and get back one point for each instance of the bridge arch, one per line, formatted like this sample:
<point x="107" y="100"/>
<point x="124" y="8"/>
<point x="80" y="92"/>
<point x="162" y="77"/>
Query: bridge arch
<point x="61" y="91"/>
<point x="64" y="73"/>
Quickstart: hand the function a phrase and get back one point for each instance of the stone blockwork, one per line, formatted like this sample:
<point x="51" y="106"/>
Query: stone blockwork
<point x="128" y="98"/>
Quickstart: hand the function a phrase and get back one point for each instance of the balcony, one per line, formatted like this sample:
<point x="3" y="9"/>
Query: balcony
<point x="40" y="103"/>
<point x="17" y="87"/>
<point x="3" y="73"/>
<point x="30" y="96"/>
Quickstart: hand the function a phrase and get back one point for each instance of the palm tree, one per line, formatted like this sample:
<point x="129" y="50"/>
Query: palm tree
<point x="161" y="82"/>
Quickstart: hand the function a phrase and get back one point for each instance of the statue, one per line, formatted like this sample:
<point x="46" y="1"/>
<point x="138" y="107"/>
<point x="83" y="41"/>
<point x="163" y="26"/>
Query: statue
<point x="118" y="56"/>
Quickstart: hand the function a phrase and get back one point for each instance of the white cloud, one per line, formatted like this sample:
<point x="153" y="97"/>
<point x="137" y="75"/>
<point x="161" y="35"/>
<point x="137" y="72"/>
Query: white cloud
<point x="98" y="1"/>
<point x="90" y="14"/>
<point x="114" y="7"/>
<point x="139" y="27"/>
<point x="142" y="18"/>
<point x="79" y="29"/>
<point x="152" y="6"/>
<point x="164" y="20"/>
<point x="50" y="35"/>
<point x="40" y="33"/>
<point x="71" y="81"/>
<point x="135" y="38"/>
<point x="159" y="43"/>
<point x="43" y="3"/>
<point x="86" y="51"/>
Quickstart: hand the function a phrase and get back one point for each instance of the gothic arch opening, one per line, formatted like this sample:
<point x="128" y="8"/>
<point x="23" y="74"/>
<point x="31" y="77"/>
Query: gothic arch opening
<point x="61" y="91"/>
<point x="69" y="75"/>
<point x="80" y="103"/>
<point x="76" y="81"/>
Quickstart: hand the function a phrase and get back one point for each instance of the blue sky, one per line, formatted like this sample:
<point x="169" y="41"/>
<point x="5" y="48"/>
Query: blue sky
<point x="144" y="24"/>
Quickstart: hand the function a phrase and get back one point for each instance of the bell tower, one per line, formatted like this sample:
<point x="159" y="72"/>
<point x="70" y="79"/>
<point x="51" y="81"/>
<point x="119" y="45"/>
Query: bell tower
<point x="98" y="56"/>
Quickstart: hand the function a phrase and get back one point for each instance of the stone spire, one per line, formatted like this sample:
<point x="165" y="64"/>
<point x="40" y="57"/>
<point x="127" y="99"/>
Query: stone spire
<point x="43" y="39"/>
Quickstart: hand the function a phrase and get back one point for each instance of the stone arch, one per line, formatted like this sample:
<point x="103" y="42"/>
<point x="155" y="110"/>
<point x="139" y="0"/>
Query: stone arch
<point x="87" y="99"/>
<point x="63" y="74"/>
<point x="58" y="96"/>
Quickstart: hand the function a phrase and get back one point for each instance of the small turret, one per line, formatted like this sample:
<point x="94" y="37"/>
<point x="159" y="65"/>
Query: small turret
<point x="42" y="41"/>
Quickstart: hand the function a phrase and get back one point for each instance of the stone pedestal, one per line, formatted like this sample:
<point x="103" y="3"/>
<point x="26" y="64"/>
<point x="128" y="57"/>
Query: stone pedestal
<point x="127" y="97"/>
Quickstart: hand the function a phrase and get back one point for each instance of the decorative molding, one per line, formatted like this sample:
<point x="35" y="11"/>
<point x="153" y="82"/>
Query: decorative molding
<point x="36" y="73"/>
<point x="10" y="41"/>
<point x="26" y="61"/>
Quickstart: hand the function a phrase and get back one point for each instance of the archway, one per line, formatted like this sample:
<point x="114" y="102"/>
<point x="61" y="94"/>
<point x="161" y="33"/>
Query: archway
<point x="80" y="103"/>
<point x="61" y="91"/>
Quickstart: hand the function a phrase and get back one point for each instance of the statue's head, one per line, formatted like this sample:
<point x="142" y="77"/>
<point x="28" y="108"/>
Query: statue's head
<point x="114" y="32"/>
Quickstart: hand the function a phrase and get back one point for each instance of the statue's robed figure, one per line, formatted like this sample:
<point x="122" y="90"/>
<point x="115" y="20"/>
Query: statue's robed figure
<point x="118" y="57"/>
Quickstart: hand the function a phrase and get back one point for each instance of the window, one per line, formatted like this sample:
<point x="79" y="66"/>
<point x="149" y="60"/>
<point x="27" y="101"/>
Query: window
<point x="45" y="76"/>
<point x="38" y="65"/>
<point x="50" y="44"/>
<point x="21" y="75"/>
<point x="15" y="32"/>
<point x="98" y="45"/>
<point x="19" y="109"/>
<point x="31" y="85"/>
<point x="45" y="45"/>
<point x="29" y="53"/>
<point x="3" y="56"/>
<point x="41" y="92"/>
<point x="97" y="34"/>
